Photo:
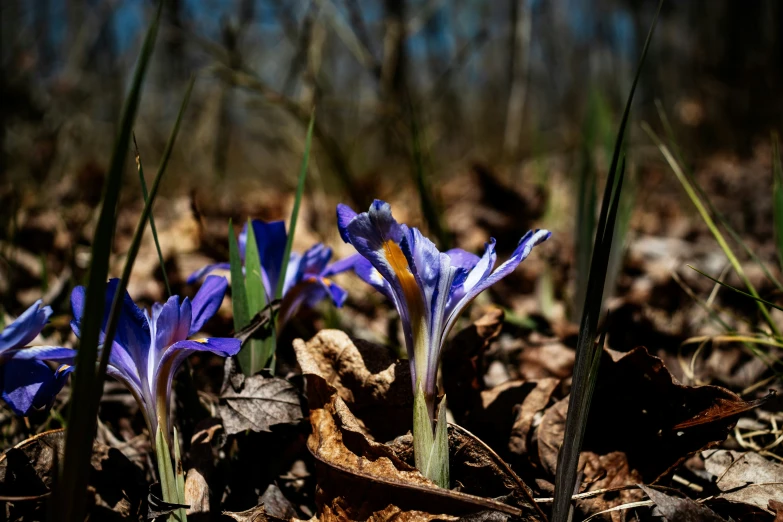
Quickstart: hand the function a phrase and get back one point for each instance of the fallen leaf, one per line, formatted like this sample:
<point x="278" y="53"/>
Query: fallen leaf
<point x="359" y="477"/>
<point x="608" y="472"/>
<point x="196" y="492"/>
<point x="535" y="401"/>
<point x="745" y="477"/>
<point x="677" y="509"/>
<point x="257" y="403"/>
<point x="256" y="514"/>
<point x="367" y="377"/>
<point x="777" y="507"/>
<point x="643" y="404"/>
<point x="276" y="504"/>
<point x="28" y="469"/>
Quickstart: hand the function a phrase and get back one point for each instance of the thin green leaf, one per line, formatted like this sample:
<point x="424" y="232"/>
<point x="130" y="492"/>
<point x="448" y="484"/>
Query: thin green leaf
<point x="239" y="300"/>
<point x="429" y="207"/>
<point x="69" y="499"/>
<point x="438" y="465"/>
<point x="260" y="350"/>
<point x="254" y="279"/>
<point x="179" y="474"/>
<point x="705" y="215"/>
<point x="153" y="228"/>
<point x="777" y="174"/>
<point x="703" y="195"/>
<point x="295" y="211"/>
<point x="422" y="432"/>
<point x="588" y="353"/>
<point x="168" y="480"/>
<point x="735" y="289"/>
<point x="133" y="250"/>
<point x="238" y="294"/>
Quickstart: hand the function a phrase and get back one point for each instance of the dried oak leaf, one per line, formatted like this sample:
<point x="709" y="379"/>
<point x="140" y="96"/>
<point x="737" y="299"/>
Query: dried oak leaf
<point x="639" y="409"/>
<point x="746" y="478"/>
<point x="359" y="478"/>
<point x="675" y="509"/>
<point x="257" y="403"/>
<point x="367" y="377"/>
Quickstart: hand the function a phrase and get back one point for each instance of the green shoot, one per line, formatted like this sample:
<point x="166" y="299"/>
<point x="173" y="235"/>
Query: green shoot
<point x="69" y="498"/>
<point x="588" y="353"/>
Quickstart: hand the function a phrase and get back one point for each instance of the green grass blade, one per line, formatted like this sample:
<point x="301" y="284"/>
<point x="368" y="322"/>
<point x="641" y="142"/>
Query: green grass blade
<point x="239" y="301"/>
<point x="295" y="211"/>
<point x="69" y="498"/>
<point x="777" y="174"/>
<point x="260" y="350"/>
<point x="720" y="217"/>
<point x="133" y="250"/>
<point x="153" y="228"/>
<point x="429" y="207"/>
<point x="588" y="354"/>
<point x="254" y="280"/>
<point x="737" y="290"/>
<point x="179" y="476"/>
<point x="705" y="215"/>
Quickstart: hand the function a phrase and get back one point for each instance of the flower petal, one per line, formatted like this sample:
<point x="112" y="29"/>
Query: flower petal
<point x="207" y="301"/>
<point x="174" y="356"/>
<point x="198" y="274"/>
<point x="271" y="239"/>
<point x="345" y="215"/>
<point x="26" y="327"/>
<point x="342" y="265"/>
<point x="475" y="285"/>
<point x="31" y="385"/>
<point x="46" y="353"/>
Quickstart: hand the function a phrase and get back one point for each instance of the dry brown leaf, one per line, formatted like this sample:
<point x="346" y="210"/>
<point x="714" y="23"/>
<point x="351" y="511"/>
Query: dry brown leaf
<point x="256" y="514"/>
<point x="606" y="472"/>
<point x="636" y="409"/>
<point x="535" y="401"/>
<point x="365" y="477"/>
<point x="365" y="376"/>
<point x="196" y="493"/>
<point x="745" y="477"/>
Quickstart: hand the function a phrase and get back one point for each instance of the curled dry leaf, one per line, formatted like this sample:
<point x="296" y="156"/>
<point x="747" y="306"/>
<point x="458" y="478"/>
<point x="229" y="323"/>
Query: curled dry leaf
<point x="28" y="469"/>
<point x="257" y="403"/>
<point x="748" y="477"/>
<point x="675" y="509"/>
<point x="360" y="479"/>
<point x="365" y="376"/>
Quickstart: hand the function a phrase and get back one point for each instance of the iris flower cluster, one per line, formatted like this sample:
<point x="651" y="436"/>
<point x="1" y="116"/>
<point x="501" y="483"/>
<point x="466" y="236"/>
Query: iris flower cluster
<point x="307" y="277"/>
<point x="430" y="289"/>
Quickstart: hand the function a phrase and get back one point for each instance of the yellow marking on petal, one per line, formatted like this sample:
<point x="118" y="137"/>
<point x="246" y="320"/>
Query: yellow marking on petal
<point x="413" y="298"/>
<point x="201" y="341"/>
<point x="63" y="368"/>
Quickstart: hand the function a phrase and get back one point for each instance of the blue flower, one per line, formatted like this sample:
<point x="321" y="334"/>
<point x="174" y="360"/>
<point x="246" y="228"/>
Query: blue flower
<point x="307" y="277"/>
<point x="149" y="348"/>
<point x="28" y="383"/>
<point x="429" y="288"/>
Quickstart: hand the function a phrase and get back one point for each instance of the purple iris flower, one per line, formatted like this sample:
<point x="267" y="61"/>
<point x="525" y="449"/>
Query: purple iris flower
<point x="429" y="288"/>
<point x="149" y="348"/>
<point x="307" y="278"/>
<point x="28" y="383"/>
